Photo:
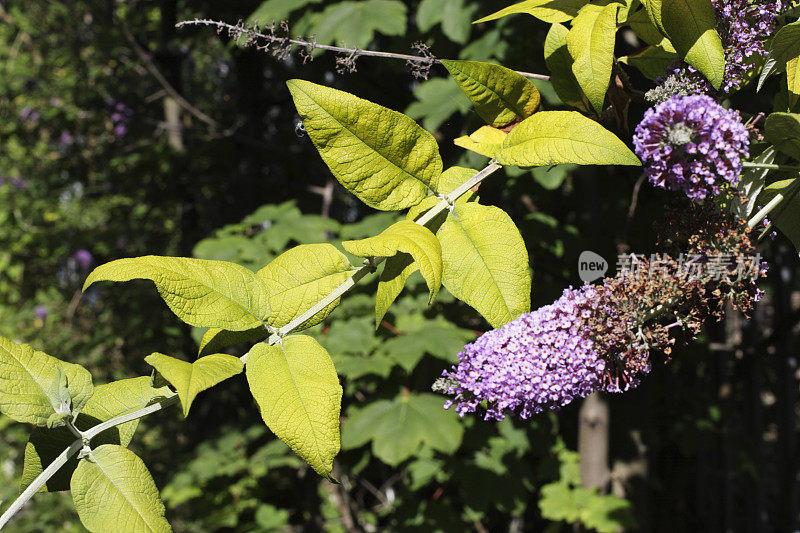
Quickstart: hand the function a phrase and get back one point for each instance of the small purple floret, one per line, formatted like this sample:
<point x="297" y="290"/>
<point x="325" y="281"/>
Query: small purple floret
<point x="692" y="144"/>
<point x="540" y="361"/>
<point x="41" y="312"/>
<point x="84" y="259"/>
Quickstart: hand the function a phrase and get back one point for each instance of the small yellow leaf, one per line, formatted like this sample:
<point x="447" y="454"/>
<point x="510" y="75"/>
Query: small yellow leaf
<point x="485" y="141"/>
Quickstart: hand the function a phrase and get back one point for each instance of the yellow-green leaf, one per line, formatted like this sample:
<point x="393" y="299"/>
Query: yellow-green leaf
<point x="200" y="292"/>
<point x="486" y="262"/>
<point x="299" y="278"/>
<point x="380" y="155"/>
<point x="559" y="61"/>
<point x="297" y="391"/>
<point x="27" y="377"/>
<point x="113" y="491"/>
<point x="783" y="130"/>
<point x="642" y="25"/>
<point x="393" y="278"/>
<point x="410" y="238"/>
<point x="107" y="401"/>
<point x="557" y="137"/>
<point x="793" y="80"/>
<point x="591" y="44"/>
<point x="216" y="340"/>
<point x="500" y="95"/>
<point x="691" y="26"/>
<point x="486" y="140"/>
<point x="653" y="61"/>
<point x="787" y="215"/>
<point x="190" y="379"/>
<point x="785" y="48"/>
<point x="552" y="11"/>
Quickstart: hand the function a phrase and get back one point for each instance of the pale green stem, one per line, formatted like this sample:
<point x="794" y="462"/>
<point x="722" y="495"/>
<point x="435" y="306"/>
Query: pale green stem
<point x="358" y="274"/>
<point x="40" y="481"/>
<point x="788" y="192"/>
<point x="770" y="166"/>
<point x="74" y="448"/>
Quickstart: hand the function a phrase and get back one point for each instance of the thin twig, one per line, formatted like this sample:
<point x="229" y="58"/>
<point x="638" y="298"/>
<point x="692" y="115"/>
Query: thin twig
<point x="153" y="69"/>
<point x="252" y="33"/>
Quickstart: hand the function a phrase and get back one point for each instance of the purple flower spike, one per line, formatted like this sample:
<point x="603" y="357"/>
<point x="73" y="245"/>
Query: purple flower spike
<point x="692" y="144"/>
<point x="540" y="361"/>
<point x="84" y="259"/>
<point x="41" y="312"/>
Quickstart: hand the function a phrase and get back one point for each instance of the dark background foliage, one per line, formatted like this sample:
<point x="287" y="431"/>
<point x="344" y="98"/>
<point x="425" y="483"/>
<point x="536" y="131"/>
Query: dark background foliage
<point x="124" y="136"/>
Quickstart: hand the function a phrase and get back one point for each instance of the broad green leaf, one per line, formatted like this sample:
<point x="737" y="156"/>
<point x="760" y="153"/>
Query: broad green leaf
<point x="785" y="47"/>
<point x="354" y="22"/>
<point x="410" y="238"/>
<point x="500" y="95"/>
<point x="397" y="269"/>
<point x="216" y="340"/>
<point x="643" y="27"/>
<point x="436" y="100"/>
<point x="107" y="401"/>
<point x="297" y="391"/>
<point x="591" y="44"/>
<point x="299" y="278"/>
<point x="397" y="428"/>
<point x="555" y="137"/>
<point x="653" y="61"/>
<point x="440" y="339"/>
<point x="486" y="140"/>
<point x="393" y="278"/>
<point x="691" y="26"/>
<point x="113" y="490"/>
<point x="486" y="262"/>
<point x="793" y="80"/>
<point x="190" y="379"/>
<point x="752" y="183"/>
<point x="787" y="215"/>
<point x="27" y="379"/>
<point x="559" y="61"/>
<point x="552" y="11"/>
<point x="783" y="130"/>
<point x="200" y="292"/>
<point x="654" y="12"/>
<point x="380" y="155"/>
<point x="277" y="10"/>
<point x="454" y="16"/>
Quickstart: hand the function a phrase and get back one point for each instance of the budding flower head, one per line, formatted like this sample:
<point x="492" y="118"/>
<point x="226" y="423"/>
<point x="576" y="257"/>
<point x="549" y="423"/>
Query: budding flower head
<point x="744" y="26"/>
<point x="692" y="144"/>
<point x="540" y="361"/>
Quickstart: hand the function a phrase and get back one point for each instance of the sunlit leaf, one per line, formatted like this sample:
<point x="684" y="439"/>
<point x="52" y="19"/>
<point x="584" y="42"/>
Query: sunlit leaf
<point x="200" y="292"/>
<point x="380" y="155"/>
<point x="113" y="490"/>
<point x="297" y="391"/>
<point x="189" y="379"/>
<point x="486" y="262"/>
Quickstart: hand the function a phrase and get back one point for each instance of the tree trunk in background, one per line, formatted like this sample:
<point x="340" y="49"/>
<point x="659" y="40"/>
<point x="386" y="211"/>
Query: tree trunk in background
<point x="593" y="442"/>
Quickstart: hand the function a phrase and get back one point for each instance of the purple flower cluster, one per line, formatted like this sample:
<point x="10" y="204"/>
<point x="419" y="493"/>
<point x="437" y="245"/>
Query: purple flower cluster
<point x="692" y="144"/>
<point x="744" y="25"/>
<point x="540" y="361"/>
<point x="120" y="117"/>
